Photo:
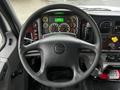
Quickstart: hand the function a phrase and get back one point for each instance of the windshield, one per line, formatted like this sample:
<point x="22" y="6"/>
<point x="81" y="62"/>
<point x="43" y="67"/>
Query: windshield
<point x="24" y="8"/>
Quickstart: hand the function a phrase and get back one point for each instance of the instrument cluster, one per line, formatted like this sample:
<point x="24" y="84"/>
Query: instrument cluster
<point x="51" y="22"/>
<point x="59" y="23"/>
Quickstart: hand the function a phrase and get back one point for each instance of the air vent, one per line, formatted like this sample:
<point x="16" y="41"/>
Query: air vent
<point x="105" y="26"/>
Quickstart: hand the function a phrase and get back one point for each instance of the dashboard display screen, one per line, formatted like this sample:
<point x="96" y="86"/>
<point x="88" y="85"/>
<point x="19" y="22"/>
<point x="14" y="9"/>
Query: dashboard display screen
<point x="59" y="20"/>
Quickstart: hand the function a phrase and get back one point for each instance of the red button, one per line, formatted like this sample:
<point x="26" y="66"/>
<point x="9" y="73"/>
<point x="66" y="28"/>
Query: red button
<point x="103" y="76"/>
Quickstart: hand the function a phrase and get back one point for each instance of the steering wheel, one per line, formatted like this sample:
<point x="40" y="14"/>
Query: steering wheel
<point x="59" y="49"/>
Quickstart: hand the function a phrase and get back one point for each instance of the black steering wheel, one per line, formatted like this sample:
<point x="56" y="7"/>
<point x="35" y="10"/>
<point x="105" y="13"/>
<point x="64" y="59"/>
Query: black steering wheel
<point x="59" y="49"/>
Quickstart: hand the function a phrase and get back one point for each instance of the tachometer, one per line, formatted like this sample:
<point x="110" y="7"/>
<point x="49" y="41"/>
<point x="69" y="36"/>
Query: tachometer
<point x="64" y="27"/>
<point x="53" y="27"/>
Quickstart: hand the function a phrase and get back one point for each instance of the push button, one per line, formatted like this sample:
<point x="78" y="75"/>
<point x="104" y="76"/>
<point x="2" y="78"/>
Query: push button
<point x="110" y="58"/>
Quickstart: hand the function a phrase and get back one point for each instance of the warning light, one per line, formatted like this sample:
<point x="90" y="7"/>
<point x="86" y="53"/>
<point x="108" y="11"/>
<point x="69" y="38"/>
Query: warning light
<point x="115" y="39"/>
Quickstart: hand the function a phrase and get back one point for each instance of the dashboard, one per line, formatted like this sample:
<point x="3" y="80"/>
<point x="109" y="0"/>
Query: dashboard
<point x="65" y="21"/>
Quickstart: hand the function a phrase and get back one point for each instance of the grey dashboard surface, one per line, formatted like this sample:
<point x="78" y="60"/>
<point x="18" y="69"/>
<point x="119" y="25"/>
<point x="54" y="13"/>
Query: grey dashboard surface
<point x="101" y="10"/>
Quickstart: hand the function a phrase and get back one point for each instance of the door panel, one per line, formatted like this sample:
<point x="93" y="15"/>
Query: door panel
<point x="10" y="78"/>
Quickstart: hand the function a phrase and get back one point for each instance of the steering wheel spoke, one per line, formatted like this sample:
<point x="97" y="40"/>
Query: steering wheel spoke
<point x="32" y="46"/>
<point x="78" y="73"/>
<point x="42" y="68"/>
<point x="87" y="45"/>
<point x="42" y="76"/>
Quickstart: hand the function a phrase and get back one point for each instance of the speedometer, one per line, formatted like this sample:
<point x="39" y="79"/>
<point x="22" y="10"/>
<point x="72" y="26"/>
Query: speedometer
<point x="64" y="27"/>
<point x="53" y="27"/>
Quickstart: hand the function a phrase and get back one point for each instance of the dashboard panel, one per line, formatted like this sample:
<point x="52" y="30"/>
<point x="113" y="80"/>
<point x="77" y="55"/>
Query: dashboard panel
<point x="65" y="21"/>
<point x="32" y="33"/>
<point x="110" y="31"/>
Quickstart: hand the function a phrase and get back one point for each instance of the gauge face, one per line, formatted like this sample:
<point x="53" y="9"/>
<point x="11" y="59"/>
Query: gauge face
<point x="45" y="19"/>
<point x="53" y="27"/>
<point x="73" y="18"/>
<point x="64" y="27"/>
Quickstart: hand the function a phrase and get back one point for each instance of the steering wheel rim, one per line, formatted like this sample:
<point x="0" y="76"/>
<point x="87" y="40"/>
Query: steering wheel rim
<point x="69" y="37"/>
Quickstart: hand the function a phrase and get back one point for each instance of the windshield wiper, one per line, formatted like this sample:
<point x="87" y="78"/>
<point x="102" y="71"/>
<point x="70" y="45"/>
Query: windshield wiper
<point x="96" y="9"/>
